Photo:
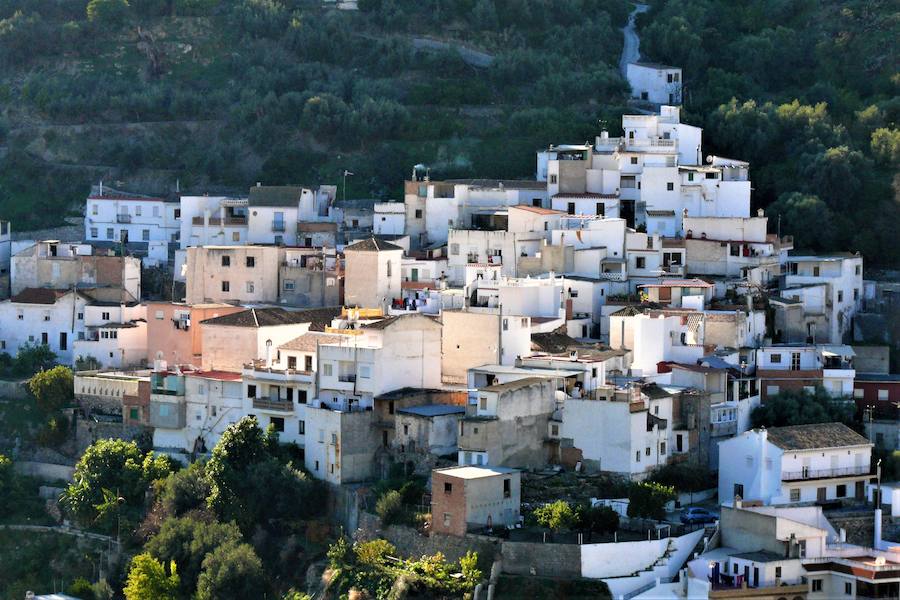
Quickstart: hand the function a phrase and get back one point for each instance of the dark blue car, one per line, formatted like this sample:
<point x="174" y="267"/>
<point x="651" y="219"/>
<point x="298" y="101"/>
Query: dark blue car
<point x="697" y="515"/>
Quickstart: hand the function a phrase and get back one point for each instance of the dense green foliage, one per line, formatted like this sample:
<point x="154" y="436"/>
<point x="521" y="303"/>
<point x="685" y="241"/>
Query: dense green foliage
<point x="53" y="389"/>
<point x="799" y="407"/>
<point x="684" y="477"/>
<point x="376" y="568"/>
<point x="31" y="559"/>
<point x="148" y="579"/>
<point x="807" y="92"/>
<point x="647" y="499"/>
<point x="557" y="515"/>
<point x="110" y="483"/>
<point x="30" y="359"/>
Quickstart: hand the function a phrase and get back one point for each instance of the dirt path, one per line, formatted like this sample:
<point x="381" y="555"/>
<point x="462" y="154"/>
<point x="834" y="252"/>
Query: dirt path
<point x="631" y="48"/>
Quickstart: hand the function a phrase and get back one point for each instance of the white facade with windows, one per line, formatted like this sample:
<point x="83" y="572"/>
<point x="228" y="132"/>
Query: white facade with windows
<point x="653" y="82"/>
<point x="111" y="215"/>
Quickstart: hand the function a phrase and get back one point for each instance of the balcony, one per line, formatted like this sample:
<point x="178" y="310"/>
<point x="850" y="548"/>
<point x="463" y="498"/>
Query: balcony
<point x="347" y="378"/>
<point x="806" y="474"/>
<point x="273" y="405"/>
<point x="123" y="218"/>
<point x="277" y="225"/>
<point x="723" y="428"/>
<point x="258" y="369"/>
<point x="619" y="276"/>
<point x="237" y="221"/>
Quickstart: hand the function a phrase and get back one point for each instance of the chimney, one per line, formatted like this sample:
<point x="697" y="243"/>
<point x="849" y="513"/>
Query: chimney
<point x="258" y="184"/>
<point x="760" y="213"/>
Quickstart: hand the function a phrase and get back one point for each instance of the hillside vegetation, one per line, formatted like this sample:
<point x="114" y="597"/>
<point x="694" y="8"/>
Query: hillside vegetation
<point x="216" y="94"/>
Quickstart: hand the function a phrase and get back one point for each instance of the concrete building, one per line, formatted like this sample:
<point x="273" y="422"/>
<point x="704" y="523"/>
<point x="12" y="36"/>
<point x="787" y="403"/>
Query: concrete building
<point x="311" y="277"/>
<point x="230" y="341"/>
<point x="57" y="265"/>
<point x="5" y="256"/>
<point x="114" y="216"/>
<point x="825" y="285"/>
<point x="654" y="82"/>
<point x="233" y="274"/>
<point x="430" y="429"/>
<point x="804" y="367"/>
<point x="619" y="430"/>
<point x="373" y="272"/>
<point x="389" y="218"/>
<point x="469" y="498"/>
<point x="799" y="464"/>
<point x="476" y="337"/>
<point x="506" y="424"/>
<point x="174" y="335"/>
<point x="490" y="247"/>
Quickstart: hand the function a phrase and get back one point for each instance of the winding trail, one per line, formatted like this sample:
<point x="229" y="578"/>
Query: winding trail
<point x="631" y="48"/>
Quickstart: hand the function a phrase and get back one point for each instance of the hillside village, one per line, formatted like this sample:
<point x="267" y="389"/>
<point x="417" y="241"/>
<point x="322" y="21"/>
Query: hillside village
<point x="623" y="315"/>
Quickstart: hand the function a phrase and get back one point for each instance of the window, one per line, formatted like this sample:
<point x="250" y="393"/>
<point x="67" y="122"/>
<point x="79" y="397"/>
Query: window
<point x="109" y="233"/>
<point x="104" y="316"/>
<point x="795" y="494"/>
<point x="95" y="206"/>
<point x="662" y="447"/>
<point x="775" y="358"/>
<point x="601" y="209"/>
<point x="840" y="295"/>
<point x="133" y="413"/>
<point x="448" y="487"/>
<point x="317" y="465"/>
<point x="145" y="235"/>
<point x="160" y="315"/>
<point x="841" y="491"/>
<point x="365" y="371"/>
<point x="816" y="585"/>
<point x="670" y="186"/>
<point x="634" y="160"/>
<point x="637" y="456"/>
<point x="250" y="287"/>
<point x="454" y="249"/>
<point x="815" y="271"/>
<point x="570" y="208"/>
<point x="856" y="294"/>
<point x="647" y="450"/>
<point x="226" y="261"/>
<point x="772" y="390"/>
<point x="277" y="423"/>
<point x="251" y="262"/>
<point x="857" y="270"/>
<point x="553" y="179"/>
<point x="289" y="285"/>
<point x="94" y="233"/>
<point x="690" y="176"/>
<point x="482" y="403"/>
<point x="301" y="396"/>
<point x="307" y="363"/>
<point x="507" y="488"/>
<point x="778" y="572"/>
<point x="226" y="286"/>
<point x="505" y="324"/>
<point x="333" y="439"/>
<point x="640" y="262"/>
<point x="301" y="427"/>
<point x="388" y="268"/>
<point x="795" y="361"/>
<point x="712" y="175"/>
<point x="292" y="362"/>
<point x="326" y="369"/>
<point x="251" y="391"/>
<point x="883" y="395"/>
<point x="859" y="393"/>
<point x="848" y="588"/>
<point x="177" y="213"/>
<point x="418" y="213"/>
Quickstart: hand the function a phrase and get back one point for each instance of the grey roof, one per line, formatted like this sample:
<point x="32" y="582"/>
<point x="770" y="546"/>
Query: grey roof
<point x="308" y="341"/>
<point x="318" y="318"/>
<point x="525" y="184"/>
<point x="372" y="244"/>
<point x="275" y="195"/>
<point x="433" y="410"/>
<point x="514" y="385"/>
<point x="815" y="436"/>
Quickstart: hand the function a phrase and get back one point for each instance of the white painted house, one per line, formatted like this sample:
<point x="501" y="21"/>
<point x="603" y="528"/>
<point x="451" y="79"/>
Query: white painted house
<point x="654" y="82"/>
<point x="798" y="464"/>
<point x="842" y="276"/>
<point x="111" y="216"/>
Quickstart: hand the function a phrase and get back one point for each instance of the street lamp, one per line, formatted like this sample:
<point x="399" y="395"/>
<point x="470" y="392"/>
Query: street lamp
<point x="346" y="173"/>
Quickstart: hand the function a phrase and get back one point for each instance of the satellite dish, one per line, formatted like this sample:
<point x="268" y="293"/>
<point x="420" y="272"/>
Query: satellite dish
<point x="709" y="158"/>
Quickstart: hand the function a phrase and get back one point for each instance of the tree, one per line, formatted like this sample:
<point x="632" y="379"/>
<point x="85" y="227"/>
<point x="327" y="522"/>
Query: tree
<point x="647" y="499"/>
<point x="107" y="12"/>
<point x="241" y="447"/>
<point x="110" y="482"/>
<point x="53" y="389"/>
<point x="32" y="358"/>
<point x="806" y="217"/>
<point x="886" y="145"/>
<point x="184" y="490"/>
<point x="231" y="571"/>
<point x="799" y="407"/>
<point x="148" y="580"/>
<point x="556" y="516"/>
<point x="599" y="519"/>
<point x="186" y="541"/>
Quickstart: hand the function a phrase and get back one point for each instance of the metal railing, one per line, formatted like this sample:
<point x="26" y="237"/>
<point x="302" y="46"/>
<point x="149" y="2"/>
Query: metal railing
<point x="269" y="404"/>
<point x="123" y="218"/>
<point x="823" y="473"/>
<point x="347" y="378"/>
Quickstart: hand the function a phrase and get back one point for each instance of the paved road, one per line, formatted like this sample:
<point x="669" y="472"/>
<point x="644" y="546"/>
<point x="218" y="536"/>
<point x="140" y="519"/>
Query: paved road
<point x="631" y="48"/>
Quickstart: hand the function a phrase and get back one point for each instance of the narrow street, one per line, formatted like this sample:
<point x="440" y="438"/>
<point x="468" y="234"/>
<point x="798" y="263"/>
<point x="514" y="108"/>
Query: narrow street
<point x="631" y="47"/>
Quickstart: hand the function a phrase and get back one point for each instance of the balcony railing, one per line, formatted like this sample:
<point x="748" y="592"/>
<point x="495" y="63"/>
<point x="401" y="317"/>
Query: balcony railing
<point x="825" y="473"/>
<point x="165" y="392"/>
<point x="122" y="218"/>
<point x="269" y="404"/>
<point x="347" y="378"/>
<point x="612" y="276"/>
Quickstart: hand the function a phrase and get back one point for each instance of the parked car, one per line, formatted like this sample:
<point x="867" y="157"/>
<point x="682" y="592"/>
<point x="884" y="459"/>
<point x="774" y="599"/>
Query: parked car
<point x="695" y="515"/>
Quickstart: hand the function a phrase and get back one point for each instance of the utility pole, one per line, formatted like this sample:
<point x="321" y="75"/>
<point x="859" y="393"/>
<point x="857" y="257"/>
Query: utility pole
<point x="346" y="172"/>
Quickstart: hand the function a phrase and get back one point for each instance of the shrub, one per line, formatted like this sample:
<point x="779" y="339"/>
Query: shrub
<point x="556" y="515"/>
<point x="389" y="507"/>
<point x="647" y="499"/>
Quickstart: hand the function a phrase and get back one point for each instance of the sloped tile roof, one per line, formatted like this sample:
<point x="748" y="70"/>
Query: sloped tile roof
<point x="372" y="245"/>
<point x="817" y="435"/>
<point x="319" y="318"/>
